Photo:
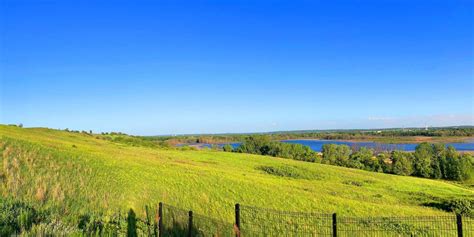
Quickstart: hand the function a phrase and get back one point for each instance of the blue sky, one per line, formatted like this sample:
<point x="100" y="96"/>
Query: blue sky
<point x="171" y="67"/>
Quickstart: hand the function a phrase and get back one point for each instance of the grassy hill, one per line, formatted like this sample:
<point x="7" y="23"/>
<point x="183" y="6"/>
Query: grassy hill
<point x="76" y="172"/>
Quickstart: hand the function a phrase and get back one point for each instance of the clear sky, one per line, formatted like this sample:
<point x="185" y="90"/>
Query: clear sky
<point x="171" y="67"/>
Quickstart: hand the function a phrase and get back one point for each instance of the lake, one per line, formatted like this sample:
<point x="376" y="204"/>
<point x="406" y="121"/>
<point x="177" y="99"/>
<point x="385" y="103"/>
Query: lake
<point x="317" y="145"/>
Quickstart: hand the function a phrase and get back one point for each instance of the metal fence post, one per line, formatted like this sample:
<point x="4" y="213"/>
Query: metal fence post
<point x="237" y="219"/>
<point x="190" y="224"/>
<point x="160" y="219"/>
<point x="459" y="224"/>
<point x="334" y="225"/>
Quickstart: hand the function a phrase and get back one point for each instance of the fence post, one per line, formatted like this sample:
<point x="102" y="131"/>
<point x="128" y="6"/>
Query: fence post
<point x="237" y="219"/>
<point x="334" y="225"/>
<point x="190" y="224"/>
<point x="459" y="224"/>
<point x="160" y="219"/>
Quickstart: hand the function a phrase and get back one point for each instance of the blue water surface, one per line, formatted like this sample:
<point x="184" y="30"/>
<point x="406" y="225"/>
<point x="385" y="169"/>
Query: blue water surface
<point x="317" y="145"/>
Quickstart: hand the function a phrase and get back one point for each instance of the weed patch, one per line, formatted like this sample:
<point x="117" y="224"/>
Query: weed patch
<point x="288" y="171"/>
<point x="458" y="206"/>
<point x="354" y="183"/>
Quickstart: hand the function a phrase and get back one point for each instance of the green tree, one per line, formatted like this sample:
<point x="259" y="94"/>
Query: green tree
<point x="458" y="167"/>
<point x="453" y="165"/>
<point x="361" y="158"/>
<point x="255" y="145"/>
<point x="336" y="154"/>
<point x="401" y="163"/>
<point x="422" y="160"/>
<point x="329" y="153"/>
<point x="467" y="167"/>
<point x="343" y="153"/>
<point x="228" y="148"/>
<point x="369" y="161"/>
<point x="438" y="161"/>
<point x="384" y="162"/>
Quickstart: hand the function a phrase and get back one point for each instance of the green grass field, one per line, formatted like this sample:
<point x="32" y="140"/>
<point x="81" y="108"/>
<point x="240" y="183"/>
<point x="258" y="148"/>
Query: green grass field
<point x="74" y="172"/>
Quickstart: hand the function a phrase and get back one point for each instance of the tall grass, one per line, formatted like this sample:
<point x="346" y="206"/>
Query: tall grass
<point x="73" y="173"/>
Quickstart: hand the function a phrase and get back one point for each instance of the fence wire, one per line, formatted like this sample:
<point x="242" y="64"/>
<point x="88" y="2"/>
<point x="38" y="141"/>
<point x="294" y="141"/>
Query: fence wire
<point x="204" y="226"/>
<point x="468" y="226"/>
<point x="255" y="221"/>
<point x="175" y="221"/>
<point x="425" y="226"/>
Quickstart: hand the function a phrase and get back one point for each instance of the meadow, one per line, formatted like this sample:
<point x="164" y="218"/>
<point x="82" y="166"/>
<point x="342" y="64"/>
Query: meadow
<point x="72" y="173"/>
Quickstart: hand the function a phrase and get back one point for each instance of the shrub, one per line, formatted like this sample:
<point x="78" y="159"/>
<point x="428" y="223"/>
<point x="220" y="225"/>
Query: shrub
<point x="460" y="206"/>
<point x="16" y="216"/>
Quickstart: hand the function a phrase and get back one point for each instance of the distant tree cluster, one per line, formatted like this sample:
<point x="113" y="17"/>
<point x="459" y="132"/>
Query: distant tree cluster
<point x="20" y="125"/>
<point x="432" y="132"/>
<point x="262" y="145"/>
<point x="131" y="140"/>
<point x="77" y="131"/>
<point x="360" y="134"/>
<point x="428" y="161"/>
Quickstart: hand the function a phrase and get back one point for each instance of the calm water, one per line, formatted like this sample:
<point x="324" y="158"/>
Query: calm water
<point x="317" y="145"/>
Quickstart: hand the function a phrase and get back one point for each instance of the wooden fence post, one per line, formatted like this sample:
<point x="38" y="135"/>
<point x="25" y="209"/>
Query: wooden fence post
<point x="160" y="219"/>
<point x="459" y="224"/>
<point x="237" y="219"/>
<point x="190" y="224"/>
<point x="334" y="225"/>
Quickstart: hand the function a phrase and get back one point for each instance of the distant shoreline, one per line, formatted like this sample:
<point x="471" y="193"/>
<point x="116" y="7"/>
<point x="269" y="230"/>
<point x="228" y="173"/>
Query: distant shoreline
<point x="384" y="140"/>
<point x="393" y="141"/>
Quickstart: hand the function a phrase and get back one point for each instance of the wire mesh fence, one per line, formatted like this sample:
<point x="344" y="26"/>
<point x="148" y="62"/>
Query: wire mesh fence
<point x="397" y="226"/>
<point x="468" y="226"/>
<point x="175" y="221"/>
<point x="255" y="221"/>
<point x="204" y="226"/>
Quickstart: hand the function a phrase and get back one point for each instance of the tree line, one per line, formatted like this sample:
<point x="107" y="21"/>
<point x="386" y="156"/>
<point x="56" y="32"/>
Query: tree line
<point x="428" y="161"/>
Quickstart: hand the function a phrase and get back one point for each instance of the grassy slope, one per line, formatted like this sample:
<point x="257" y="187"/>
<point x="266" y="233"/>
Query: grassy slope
<point x="42" y="165"/>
